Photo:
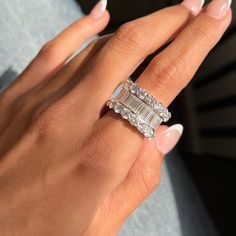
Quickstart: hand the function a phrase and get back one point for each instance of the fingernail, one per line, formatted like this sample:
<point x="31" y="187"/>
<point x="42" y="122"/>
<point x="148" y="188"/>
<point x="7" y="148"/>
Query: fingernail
<point x="99" y="9"/>
<point x="168" y="139"/>
<point x="218" y="8"/>
<point x="194" y="6"/>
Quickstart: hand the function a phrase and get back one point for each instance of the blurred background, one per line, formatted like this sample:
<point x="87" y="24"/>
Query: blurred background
<point x="207" y="109"/>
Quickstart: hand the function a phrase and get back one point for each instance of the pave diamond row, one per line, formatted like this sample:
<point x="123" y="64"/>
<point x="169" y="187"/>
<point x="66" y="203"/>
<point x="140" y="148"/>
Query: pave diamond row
<point x="133" y="119"/>
<point x="150" y="100"/>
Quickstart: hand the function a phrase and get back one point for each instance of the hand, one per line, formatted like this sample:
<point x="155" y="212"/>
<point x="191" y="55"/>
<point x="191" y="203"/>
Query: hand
<point x="67" y="165"/>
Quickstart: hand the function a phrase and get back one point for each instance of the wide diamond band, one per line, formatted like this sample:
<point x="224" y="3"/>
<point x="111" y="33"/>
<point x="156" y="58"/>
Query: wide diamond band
<point x="138" y="107"/>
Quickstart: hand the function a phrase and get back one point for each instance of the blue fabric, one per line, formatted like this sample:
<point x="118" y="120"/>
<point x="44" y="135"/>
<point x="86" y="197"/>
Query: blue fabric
<point x="175" y="208"/>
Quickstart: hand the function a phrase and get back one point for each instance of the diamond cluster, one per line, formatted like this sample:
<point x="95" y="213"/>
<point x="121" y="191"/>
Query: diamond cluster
<point x="132" y="118"/>
<point x="139" y="108"/>
<point x="143" y="95"/>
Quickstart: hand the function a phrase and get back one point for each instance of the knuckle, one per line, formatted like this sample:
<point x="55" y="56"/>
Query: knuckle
<point x="48" y="119"/>
<point x="131" y="34"/>
<point x="48" y="51"/>
<point x="166" y="74"/>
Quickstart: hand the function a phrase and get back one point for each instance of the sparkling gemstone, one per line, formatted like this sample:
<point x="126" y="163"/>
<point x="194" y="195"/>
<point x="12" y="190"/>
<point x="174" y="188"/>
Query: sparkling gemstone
<point x="110" y="104"/>
<point x="146" y="130"/>
<point x="165" y="119"/>
<point x="133" y="119"/>
<point x="149" y="100"/>
<point x="142" y="127"/>
<point x="131" y="116"/>
<point x="117" y="108"/>
<point x="133" y="88"/>
<point x="125" y="113"/>
<point x="141" y="93"/>
<point x="163" y="112"/>
<point x="156" y="105"/>
<point x="126" y="85"/>
<point x="149" y="132"/>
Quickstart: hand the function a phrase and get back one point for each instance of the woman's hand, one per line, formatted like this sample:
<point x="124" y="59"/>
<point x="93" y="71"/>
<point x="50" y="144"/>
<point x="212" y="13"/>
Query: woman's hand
<point x="67" y="165"/>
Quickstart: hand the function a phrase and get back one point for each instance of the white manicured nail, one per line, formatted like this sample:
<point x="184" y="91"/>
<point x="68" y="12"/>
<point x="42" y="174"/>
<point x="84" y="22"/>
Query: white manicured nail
<point x="218" y="8"/>
<point x="168" y="139"/>
<point x="99" y="9"/>
<point x="195" y="6"/>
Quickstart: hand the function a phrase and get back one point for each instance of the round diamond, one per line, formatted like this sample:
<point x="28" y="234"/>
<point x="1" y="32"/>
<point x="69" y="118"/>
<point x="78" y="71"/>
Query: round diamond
<point x="168" y="116"/>
<point x="156" y="105"/>
<point x="133" y="88"/>
<point x="126" y="85"/>
<point x="110" y="104"/>
<point x="134" y="122"/>
<point x="133" y="119"/>
<point x="163" y="112"/>
<point x="141" y="127"/>
<point x="125" y="113"/>
<point x="149" y="132"/>
<point x="149" y="100"/>
<point x="146" y="130"/>
<point x="131" y="116"/>
<point x="117" y="108"/>
<point x="141" y="93"/>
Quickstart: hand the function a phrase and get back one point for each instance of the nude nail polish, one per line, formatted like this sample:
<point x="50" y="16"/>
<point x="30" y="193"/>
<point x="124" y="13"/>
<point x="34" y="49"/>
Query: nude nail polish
<point x="99" y="9"/>
<point x="168" y="139"/>
<point x="194" y="6"/>
<point x="218" y="8"/>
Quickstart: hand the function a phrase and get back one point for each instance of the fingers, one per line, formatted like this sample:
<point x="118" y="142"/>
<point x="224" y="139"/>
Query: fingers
<point x="144" y="176"/>
<point x="109" y="59"/>
<point x="129" y="46"/>
<point x="171" y="70"/>
<point x="56" y="52"/>
<point x="75" y="66"/>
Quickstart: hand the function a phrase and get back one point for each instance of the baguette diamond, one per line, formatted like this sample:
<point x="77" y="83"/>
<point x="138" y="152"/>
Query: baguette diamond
<point x="141" y="109"/>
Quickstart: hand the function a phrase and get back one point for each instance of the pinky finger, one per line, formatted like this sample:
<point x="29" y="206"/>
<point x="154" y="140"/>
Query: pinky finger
<point x="142" y="179"/>
<point x="145" y="174"/>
